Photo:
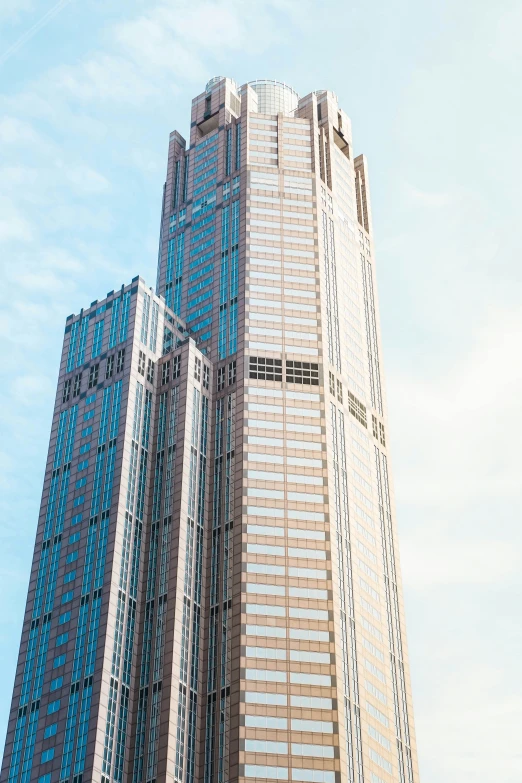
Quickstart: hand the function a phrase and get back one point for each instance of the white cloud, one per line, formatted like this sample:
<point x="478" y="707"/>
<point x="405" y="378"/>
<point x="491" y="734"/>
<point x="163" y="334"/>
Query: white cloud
<point x="13" y="225"/>
<point x="13" y="10"/>
<point x="86" y="180"/>
<point x="16" y="131"/>
<point x="436" y="555"/>
<point x="467" y="415"/>
<point x="27" y="388"/>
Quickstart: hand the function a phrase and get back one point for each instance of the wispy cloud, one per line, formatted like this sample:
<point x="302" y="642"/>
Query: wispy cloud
<point x="33" y="30"/>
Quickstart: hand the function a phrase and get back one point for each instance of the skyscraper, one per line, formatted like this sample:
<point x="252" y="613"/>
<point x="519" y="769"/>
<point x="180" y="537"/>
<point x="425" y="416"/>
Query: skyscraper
<point x="215" y="592"/>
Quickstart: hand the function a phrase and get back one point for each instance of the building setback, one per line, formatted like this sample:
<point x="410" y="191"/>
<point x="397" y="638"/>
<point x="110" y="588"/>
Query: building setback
<point x="215" y="592"/>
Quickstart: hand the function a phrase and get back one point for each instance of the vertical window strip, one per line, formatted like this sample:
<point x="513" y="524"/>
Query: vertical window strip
<point x="234" y="278"/>
<point x="396" y="615"/>
<point x="155" y="713"/>
<point x="81" y="635"/>
<point x="104" y="417"/>
<point x="59" y="439"/>
<point x="145" y="319"/>
<point x="135" y="560"/>
<point x="70" y="731"/>
<point x="83" y="725"/>
<point x="175" y="185"/>
<point x="73" y="339"/>
<point x="138" y="406"/>
<point x="97" y="482"/>
<point x="62" y="500"/>
<point x="154" y="327"/>
<point x="374" y="338"/>
<point x="40" y="580"/>
<point x="115" y="318"/>
<point x="178" y="282"/>
<point x="228" y="152"/>
<point x="115" y="410"/>
<point x="343" y="533"/>
<point x="101" y="551"/>
<point x="109" y="727"/>
<point x="90" y="549"/>
<point x="185" y="178"/>
<point x="389" y="616"/>
<point x="51" y="504"/>
<point x="97" y="340"/>
<point x="30" y="657"/>
<point x="84" y="329"/>
<point x="139" y="747"/>
<point x="51" y="582"/>
<point x="223" y="283"/>
<point x="71" y="430"/>
<point x="147" y="412"/>
<point x="16" y="752"/>
<point x="41" y="659"/>
<point x="238" y="146"/>
<point x="124" y="321"/>
<point x="92" y="639"/>
<point x="369" y="341"/>
<point x="30" y="740"/>
<point x="171" y="252"/>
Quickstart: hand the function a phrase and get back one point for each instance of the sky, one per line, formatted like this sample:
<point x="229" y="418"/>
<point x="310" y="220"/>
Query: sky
<point x="89" y="93"/>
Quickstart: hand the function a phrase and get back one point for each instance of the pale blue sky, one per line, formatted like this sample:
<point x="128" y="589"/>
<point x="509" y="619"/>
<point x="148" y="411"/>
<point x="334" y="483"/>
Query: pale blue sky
<point x="87" y="102"/>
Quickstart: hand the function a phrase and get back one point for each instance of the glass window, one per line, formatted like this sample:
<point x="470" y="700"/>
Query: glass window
<point x="265" y="530"/>
<point x="266" y="630"/>
<point x="308" y="573"/>
<point x="62" y="639"/>
<point x="311" y="702"/>
<point x="50" y="730"/>
<point x="299" y="678"/>
<point x="256" y="697"/>
<point x="53" y="706"/>
<point x="264" y="675"/>
<point x="312" y="636"/>
<point x="318" y="751"/>
<point x="309" y="657"/>
<point x="264" y="722"/>
<point x="56" y="683"/>
<point x="263" y="568"/>
<point x="314" y="535"/>
<point x="265" y="746"/>
<point x="265" y="589"/>
<point x="47" y="755"/>
<point x="313" y="775"/>
<point x="270" y="653"/>
<point x="270" y="773"/>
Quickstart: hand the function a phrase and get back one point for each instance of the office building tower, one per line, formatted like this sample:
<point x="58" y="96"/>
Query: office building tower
<point x="215" y="593"/>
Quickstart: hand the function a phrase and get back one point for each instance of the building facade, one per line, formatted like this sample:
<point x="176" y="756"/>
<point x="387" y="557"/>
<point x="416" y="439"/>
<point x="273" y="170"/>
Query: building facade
<point x="215" y="592"/>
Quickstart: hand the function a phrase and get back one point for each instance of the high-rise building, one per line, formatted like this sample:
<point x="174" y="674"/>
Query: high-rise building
<point x="215" y="593"/>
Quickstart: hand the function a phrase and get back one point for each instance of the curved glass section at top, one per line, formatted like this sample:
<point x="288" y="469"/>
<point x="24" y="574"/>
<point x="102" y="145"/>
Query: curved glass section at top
<point x="274" y="97"/>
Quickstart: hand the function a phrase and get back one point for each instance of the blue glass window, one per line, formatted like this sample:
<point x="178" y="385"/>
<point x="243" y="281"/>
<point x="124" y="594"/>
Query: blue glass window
<point x="50" y="730"/>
